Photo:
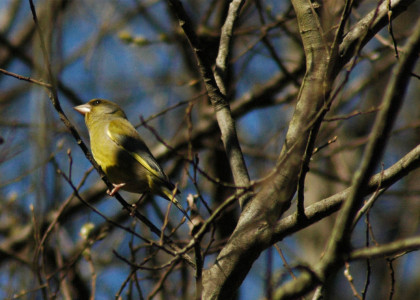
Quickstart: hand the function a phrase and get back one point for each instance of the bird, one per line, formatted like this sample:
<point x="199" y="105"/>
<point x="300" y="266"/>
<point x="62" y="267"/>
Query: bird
<point x="122" y="154"/>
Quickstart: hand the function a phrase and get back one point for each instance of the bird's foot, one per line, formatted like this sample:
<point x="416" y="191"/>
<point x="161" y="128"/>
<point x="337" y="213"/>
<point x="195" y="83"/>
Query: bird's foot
<point x="115" y="189"/>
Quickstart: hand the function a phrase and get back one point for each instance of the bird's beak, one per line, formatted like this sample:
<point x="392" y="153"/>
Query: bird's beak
<point x="83" y="109"/>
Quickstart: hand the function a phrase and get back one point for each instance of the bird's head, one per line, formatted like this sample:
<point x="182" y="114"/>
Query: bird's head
<point x="100" y="108"/>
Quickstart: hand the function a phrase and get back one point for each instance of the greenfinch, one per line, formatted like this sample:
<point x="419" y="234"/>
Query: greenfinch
<point x="122" y="154"/>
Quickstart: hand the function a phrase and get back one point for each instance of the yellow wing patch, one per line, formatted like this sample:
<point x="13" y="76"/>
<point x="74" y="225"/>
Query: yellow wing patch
<point x="144" y="163"/>
<point x="135" y="156"/>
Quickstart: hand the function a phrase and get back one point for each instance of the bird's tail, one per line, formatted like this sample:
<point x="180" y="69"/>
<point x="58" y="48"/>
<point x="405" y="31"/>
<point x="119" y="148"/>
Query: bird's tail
<point x="169" y="195"/>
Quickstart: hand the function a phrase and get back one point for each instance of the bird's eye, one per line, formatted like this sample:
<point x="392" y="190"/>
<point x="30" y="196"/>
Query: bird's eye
<point x="96" y="102"/>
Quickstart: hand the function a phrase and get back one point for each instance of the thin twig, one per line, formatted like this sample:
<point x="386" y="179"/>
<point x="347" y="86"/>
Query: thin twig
<point x="349" y="278"/>
<point x="25" y="78"/>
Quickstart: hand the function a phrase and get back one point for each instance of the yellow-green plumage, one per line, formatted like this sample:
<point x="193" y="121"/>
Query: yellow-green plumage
<point x="122" y="154"/>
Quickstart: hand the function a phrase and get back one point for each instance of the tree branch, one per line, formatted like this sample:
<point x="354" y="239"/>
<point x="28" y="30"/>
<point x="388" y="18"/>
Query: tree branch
<point x="326" y="207"/>
<point x="339" y="244"/>
<point x="254" y="230"/>
<point x="218" y="99"/>
<point x="393" y="248"/>
<point x="368" y="27"/>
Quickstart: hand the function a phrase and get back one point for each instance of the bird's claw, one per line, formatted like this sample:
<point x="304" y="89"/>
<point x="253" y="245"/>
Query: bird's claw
<point x="115" y="189"/>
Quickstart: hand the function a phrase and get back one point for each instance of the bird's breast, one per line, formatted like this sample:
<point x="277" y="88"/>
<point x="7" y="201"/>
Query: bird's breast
<point x="119" y="166"/>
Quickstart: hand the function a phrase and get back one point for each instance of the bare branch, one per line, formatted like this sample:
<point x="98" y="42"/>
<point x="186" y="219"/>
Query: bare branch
<point x="361" y="33"/>
<point x="391" y="249"/>
<point x="339" y="244"/>
<point x="217" y="98"/>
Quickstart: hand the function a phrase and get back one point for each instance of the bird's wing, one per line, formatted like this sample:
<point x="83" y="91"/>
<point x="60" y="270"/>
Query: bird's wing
<point x="126" y="136"/>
